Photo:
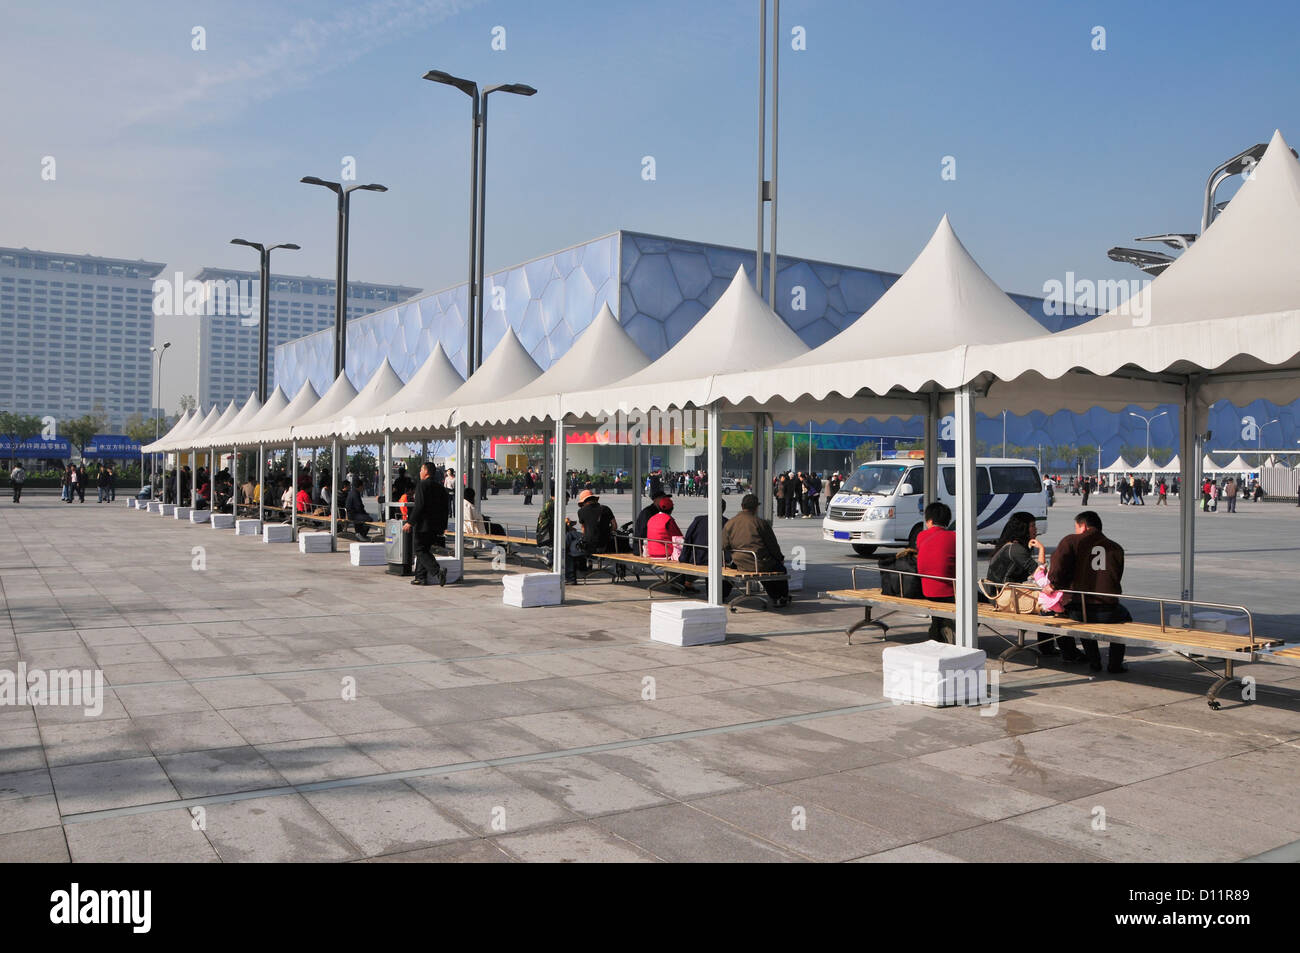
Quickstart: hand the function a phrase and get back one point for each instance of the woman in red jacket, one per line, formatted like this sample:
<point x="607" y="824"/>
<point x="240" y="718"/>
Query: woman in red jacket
<point x="661" y="530"/>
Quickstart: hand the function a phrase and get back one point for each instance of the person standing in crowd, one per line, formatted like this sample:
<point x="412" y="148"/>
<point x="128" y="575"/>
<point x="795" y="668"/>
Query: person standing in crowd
<point x="101" y="483"/>
<point x="1230" y="491"/>
<point x="17" y="477"/>
<point x="428" y="526"/>
<point x="754" y="548"/>
<point x="936" y="562"/>
<point x="79" y="482"/>
<point x="529" y="485"/>
<point x="1086" y="561"/>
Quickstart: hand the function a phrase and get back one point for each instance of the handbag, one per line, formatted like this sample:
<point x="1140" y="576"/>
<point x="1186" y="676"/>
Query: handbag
<point x="1011" y="596"/>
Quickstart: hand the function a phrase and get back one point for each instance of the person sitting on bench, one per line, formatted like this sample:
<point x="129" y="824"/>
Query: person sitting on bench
<point x="471" y="521"/>
<point x="1087" y="561"/>
<point x="356" y="509"/>
<point x="641" y="528"/>
<point x="753" y="547"/>
<point x="695" y="547"/>
<point x="936" y="555"/>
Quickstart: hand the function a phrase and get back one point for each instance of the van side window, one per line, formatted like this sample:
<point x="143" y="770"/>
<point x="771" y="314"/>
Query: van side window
<point x="1016" y="479"/>
<point x="916" y="477"/>
<point x="981" y="481"/>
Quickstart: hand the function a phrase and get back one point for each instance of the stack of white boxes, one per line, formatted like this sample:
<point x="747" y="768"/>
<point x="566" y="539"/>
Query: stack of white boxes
<point x="277" y="533"/>
<point x="168" y="509"/>
<point x="200" y="516"/>
<point x="934" y="673"/>
<point x="181" y="513"/>
<point x="453" y="566"/>
<point x="528" y="590"/>
<point x="155" y="506"/>
<point x="796" y="578"/>
<point x="366" y="554"/>
<point x="687" y="623"/>
<point x="223" y="521"/>
<point x="248" y="527"/>
<point x="317" y="542"/>
<point x="131" y="503"/>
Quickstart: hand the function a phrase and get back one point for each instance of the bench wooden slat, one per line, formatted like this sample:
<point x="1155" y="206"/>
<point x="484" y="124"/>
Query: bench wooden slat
<point x="1147" y="632"/>
<point x="688" y="569"/>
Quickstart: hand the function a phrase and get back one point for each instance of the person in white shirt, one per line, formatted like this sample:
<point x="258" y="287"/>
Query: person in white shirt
<point x="17" y="476"/>
<point x="470" y="518"/>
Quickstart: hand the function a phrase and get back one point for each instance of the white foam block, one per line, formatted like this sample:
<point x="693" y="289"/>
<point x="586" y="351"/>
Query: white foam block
<point x="796" y="578"/>
<point x="455" y="570"/>
<point x="315" y="542"/>
<point x="200" y="516"/>
<point x="131" y="503"/>
<point x="223" y="521"/>
<point x="248" y="527"/>
<point x="181" y="513"/>
<point x="168" y="509"/>
<point x="687" y="623"/>
<point x="277" y="533"/>
<point x="155" y="506"/>
<point x="529" y="590"/>
<point x="933" y="673"/>
<point x="366" y="554"/>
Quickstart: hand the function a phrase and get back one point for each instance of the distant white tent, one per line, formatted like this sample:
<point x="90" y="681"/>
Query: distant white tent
<point x="1119" y="466"/>
<point x="1239" y="465"/>
<point x="1173" y="466"/>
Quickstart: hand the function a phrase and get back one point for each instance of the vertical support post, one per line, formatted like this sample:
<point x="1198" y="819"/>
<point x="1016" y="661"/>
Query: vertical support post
<point x="546" y="467"/>
<point x="776" y="92"/>
<point x="967" y="517"/>
<point x="1189" y="457"/>
<point x="637" y="478"/>
<point x="458" y="497"/>
<point x="293" y="492"/>
<point x="762" y="142"/>
<point x="334" y="495"/>
<point x="261" y="483"/>
<point x="768" y="467"/>
<point x="388" y="478"/>
<point x="931" y="447"/>
<point x="715" y="505"/>
<point x="756" y="460"/>
<point x="558" y="553"/>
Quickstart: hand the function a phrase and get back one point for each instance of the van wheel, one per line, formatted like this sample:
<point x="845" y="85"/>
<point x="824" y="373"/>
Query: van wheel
<point x="863" y="550"/>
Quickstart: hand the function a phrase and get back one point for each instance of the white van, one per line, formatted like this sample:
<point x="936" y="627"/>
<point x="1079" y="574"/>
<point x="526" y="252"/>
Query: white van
<point x="880" y="503"/>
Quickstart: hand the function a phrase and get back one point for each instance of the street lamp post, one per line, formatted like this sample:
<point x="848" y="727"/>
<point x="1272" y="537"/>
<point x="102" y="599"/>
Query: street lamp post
<point x="341" y="263"/>
<point x="1241" y="162"/>
<point x="1259" y="440"/>
<point x="264" y="302"/>
<point x="478" y="218"/>
<point x="1148" y="423"/>
<point x="1004" y="434"/>
<point x="157" y="416"/>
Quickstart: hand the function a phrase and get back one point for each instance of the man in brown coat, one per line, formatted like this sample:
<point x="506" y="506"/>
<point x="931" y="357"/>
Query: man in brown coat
<point x="753" y="547"/>
<point x="1087" y="561"/>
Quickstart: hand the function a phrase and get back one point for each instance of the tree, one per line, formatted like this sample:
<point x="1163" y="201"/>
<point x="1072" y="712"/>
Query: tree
<point x="140" y="429"/>
<point x="18" y="428"/>
<point x="82" y="430"/>
<point x="188" y="402"/>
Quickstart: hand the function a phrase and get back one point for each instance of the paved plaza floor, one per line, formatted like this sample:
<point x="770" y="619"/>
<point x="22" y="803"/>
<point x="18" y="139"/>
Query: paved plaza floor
<point x="479" y="732"/>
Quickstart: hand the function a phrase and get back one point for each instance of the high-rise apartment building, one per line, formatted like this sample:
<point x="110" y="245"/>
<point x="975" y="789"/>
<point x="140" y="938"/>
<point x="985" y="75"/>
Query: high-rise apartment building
<point x="75" y="333"/>
<point x="298" y="307"/>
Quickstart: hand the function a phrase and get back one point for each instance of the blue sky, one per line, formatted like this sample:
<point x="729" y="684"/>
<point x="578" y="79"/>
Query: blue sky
<point x="1061" y="151"/>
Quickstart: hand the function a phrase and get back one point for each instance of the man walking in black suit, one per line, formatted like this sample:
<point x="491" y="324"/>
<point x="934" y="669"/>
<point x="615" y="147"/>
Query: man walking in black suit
<point x="428" y="526"/>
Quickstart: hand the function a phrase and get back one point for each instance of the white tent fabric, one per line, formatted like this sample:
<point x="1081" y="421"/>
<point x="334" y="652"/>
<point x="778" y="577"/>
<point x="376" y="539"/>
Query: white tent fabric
<point x="383" y="385"/>
<point x="428" y="387"/>
<point x="1146" y="465"/>
<point x="194" y="438"/>
<point x="603" y="354"/>
<point x="506" y="369"/>
<point x="1239" y="465"/>
<point x="239" y="421"/>
<point x="1173" y="466"/>
<point x="1209" y="466"/>
<point x="1119" y="466"/>
<point x="279" y="425"/>
<point x="340" y="394"/>
<point x="177" y="440"/>
<point x="176" y="429"/>
<point x="237" y="436"/>
<point x="943" y="298"/>
<point x="739" y="333"/>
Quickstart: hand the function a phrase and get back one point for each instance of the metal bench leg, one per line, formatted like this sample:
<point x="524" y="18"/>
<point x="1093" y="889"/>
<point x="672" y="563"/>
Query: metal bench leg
<point x="1015" y="648"/>
<point x="865" y="621"/>
<point x="740" y="596"/>
<point x="1221" y="681"/>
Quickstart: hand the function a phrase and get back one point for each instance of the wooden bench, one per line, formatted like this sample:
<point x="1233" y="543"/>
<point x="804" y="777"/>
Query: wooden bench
<point x="510" y="544"/>
<point x="1196" y="646"/>
<point x="744" y="583"/>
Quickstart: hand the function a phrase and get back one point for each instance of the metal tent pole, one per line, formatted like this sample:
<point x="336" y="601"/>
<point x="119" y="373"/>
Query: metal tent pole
<point x="334" y="495"/>
<point x="714" y="477"/>
<point x="459" y="494"/>
<point x="558" y="553"/>
<point x="967" y="517"/>
<point x="293" y="493"/>
<point x="931" y="469"/>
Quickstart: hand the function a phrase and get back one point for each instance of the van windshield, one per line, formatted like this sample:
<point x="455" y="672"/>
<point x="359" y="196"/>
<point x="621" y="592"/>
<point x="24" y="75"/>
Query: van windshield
<point x="877" y="478"/>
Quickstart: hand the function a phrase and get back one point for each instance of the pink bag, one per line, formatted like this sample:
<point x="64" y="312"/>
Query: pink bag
<point x="1049" y="599"/>
<point x="678" y="543"/>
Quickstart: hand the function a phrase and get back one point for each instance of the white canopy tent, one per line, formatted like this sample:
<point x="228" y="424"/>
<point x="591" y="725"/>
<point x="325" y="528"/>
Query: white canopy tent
<point x="383" y="385"/>
<point x="274" y="406"/>
<point x="1119" y="466"/>
<point x="177" y="429"/>
<point x="428" y="387"/>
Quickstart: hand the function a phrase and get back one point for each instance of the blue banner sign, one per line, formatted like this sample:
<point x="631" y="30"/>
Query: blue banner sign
<point x="112" y="446"/>
<point x="37" y="447"/>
